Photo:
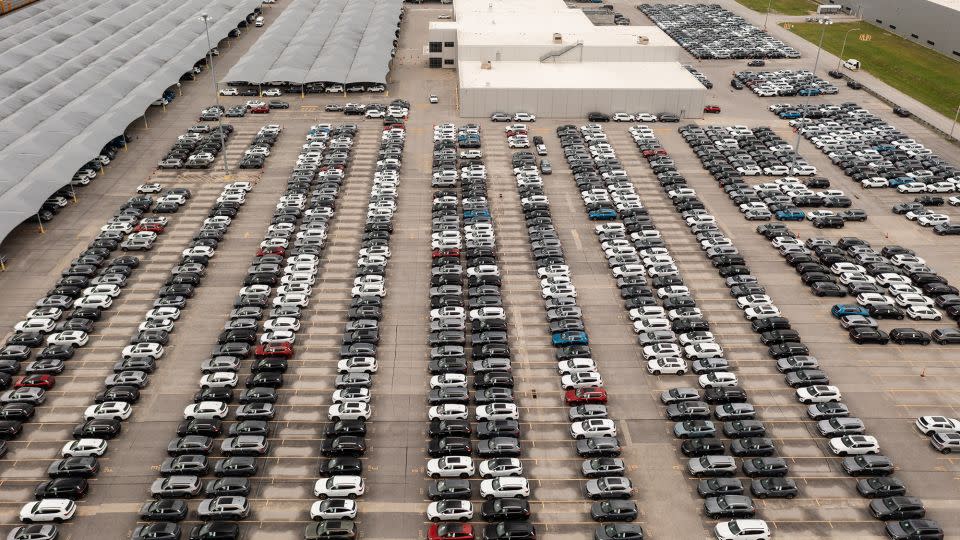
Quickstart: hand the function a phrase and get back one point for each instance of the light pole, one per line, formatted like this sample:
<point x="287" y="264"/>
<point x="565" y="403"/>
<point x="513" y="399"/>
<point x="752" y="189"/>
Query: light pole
<point x="844" y="46"/>
<point x="803" y="116"/>
<point x="954" y="125"/>
<point x="767" y="15"/>
<point x="216" y="95"/>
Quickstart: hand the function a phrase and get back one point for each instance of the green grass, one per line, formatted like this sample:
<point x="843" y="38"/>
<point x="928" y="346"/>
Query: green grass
<point x="783" y="7"/>
<point x="919" y="72"/>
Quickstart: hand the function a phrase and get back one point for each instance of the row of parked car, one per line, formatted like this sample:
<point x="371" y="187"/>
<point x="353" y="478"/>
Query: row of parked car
<point x="785" y="82"/>
<point x="89" y="286"/>
<point x="198" y="148"/>
<point x="84" y="175"/>
<point x="811" y="387"/>
<point x="891" y="283"/>
<point x="708" y="31"/>
<point x="877" y="155"/>
<point x="943" y="431"/>
<point x="699" y="76"/>
<point x="503" y="486"/>
<point x="103" y="420"/>
<point x="258" y="150"/>
<point x="674" y="330"/>
<point x="344" y="443"/>
<point x="594" y="433"/>
<point x="733" y="152"/>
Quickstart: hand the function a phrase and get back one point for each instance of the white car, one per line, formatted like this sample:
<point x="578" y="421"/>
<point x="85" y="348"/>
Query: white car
<point x="351" y="395"/>
<point x="873" y="299"/>
<point x="84" y="448"/>
<point x="448" y="411"/>
<point x="753" y="300"/>
<point x="930" y="220"/>
<point x="101" y="301"/>
<point x="645" y="117"/>
<point x="161" y="313"/>
<point x="912" y="187"/>
<point x="450" y="467"/>
<point x="718" y="379"/>
<point x="205" y="410"/>
<point x="448" y="380"/>
<point x="622" y="117"/>
<point x="108" y="410"/>
<point x="349" y="411"/>
<point x="74" y="338"/>
<point x="928" y="425"/>
<point x="505" y="486"/>
<point x="149" y="188"/>
<point x="875" y="182"/>
<point x="271" y="92"/>
<point x="923" y="313"/>
<point x="703" y="350"/>
<point x="339" y="486"/>
<point x="854" y="445"/>
<point x="450" y="510"/>
<point x="818" y="394"/>
<point x="497" y="411"/>
<point x="219" y="379"/>
<point x="500" y="467"/>
<point x="487" y="313"/>
<point x="333" y="509"/>
<point x="198" y="251"/>
<point x="650" y="325"/>
<point x="581" y="379"/>
<point x="292" y="300"/>
<point x="661" y="350"/>
<point x="229" y="92"/>
<point x="47" y="510"/>
<point x="594" y="427"/>
<point x="742" y="529"/>
<point x="40" y="324"/>
<point x="674" y="365"/>
<point x="576" y="365"/>
<point x="761" y="312"/>
<point x="524" y="117"/>
<point x="142" y="350"/>
<point x="357" y="364"/>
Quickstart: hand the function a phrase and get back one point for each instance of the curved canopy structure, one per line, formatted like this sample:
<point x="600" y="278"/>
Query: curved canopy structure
<point x="339" y="41"/>
<point x="75" y="73"/>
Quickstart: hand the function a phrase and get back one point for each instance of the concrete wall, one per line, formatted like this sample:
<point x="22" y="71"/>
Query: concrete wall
<point x="588" y="53"/>
<point x="577" y="102"/>
<point x="444" y="36"/>
<point x="928" y="21"/>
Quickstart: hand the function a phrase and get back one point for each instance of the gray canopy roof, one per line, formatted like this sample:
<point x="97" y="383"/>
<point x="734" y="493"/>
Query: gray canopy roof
<point x="75" y="73"/>
<point x="342" y="41"/>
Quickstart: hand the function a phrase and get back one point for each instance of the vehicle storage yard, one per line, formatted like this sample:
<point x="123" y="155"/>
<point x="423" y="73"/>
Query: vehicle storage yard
<point x="887" y="386"/>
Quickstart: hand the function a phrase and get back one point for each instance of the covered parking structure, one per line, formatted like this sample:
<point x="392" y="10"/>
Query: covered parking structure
<point x="319" y="43"/>
<point x="74" y="74"/>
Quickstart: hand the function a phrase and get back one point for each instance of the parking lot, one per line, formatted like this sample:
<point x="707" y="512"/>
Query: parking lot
<point x="886" y="386"/>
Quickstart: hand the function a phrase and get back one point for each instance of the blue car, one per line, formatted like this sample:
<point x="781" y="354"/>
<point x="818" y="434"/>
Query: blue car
<point x="809" y="92"/>
<point x="469" y="214"/>
<point x="570" y="337"/>
<point x="603" y="214"/>
<point x="789" y="115"/>
<point x="790" y="214"/>
<point x="842" y="310"/>
<point x="900" y="180"/>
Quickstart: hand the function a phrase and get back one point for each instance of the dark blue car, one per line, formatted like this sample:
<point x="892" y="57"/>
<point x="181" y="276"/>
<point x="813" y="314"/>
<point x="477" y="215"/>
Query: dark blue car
<point x="842" y="310"/>
<point x="570" y="337"/>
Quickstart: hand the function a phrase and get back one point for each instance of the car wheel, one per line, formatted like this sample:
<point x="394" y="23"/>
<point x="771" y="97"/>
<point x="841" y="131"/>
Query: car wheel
<point x="57" y="520"/>
<point x="946" y="451"/>
<point x="656" y="372"/>
<point x="464" y="519"/>
<point x="435" y="519"/>
<point x="336" y="418"/>
<point x="489" y="497"/>
<point x="435" y="476"/>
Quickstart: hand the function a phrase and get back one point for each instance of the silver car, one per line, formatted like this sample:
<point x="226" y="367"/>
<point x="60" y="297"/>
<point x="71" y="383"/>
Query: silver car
<point x="712" y="466"/>
<point x="175" y="487"/>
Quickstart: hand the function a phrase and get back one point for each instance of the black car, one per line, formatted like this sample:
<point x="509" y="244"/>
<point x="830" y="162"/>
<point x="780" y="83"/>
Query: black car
<point x="752" y="447"/>
<point x="864" y="334"/>
<point x="98" y="429"/>
<point x="75" y="467"/>
<point x="598" y="117"/>
<point x="506" y="509"/>
<point x="449" y="488"/>
<point x="227" y="487"/>
<point x="902" y="336"/>
<point x="774" y="488"/>
<point x="879" y="487"/>
<point x="708" y="446"/>
<point x="72" y="488"/>
<point x="157" y="531"/>
<point x="216" y="530"/>
<point x="164" y="510"/>
<point x="341" y="466"/>
<point x="509" y="530"/>
<point x="614" y="510"/>
<point x="914" y="529"/>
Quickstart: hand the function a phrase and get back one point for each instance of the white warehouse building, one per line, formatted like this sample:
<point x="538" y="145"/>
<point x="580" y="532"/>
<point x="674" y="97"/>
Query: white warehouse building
<point x="563" y="68"/>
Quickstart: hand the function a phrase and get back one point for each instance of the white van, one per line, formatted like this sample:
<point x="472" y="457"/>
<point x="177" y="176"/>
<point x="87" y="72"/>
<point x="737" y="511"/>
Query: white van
<point x="258" y="21"/>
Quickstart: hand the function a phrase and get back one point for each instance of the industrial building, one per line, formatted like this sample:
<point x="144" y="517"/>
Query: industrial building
<point x="931" y="23"/>
<point x="543" y="57"/>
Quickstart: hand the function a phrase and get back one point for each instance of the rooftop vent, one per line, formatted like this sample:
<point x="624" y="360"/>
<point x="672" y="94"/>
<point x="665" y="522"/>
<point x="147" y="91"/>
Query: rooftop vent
<point x="643" y="40"/>
<point x="557" y="37"/>
<point x="486" y="65"/>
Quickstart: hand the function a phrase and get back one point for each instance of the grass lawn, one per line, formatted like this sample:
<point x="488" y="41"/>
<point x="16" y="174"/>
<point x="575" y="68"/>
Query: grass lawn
<point x="783" y="7"/>
<point x="919" y="72"/>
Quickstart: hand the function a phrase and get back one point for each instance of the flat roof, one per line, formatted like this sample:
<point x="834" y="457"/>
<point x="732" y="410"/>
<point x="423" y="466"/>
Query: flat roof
<point x="613" y="36"/>
<point x="588" y="75"/>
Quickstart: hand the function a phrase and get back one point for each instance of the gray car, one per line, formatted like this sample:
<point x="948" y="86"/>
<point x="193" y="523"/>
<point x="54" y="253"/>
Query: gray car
<point x="676" y="395"/>
<point x="704" y="466"/>
<point x="709" y="365"/>
<point x="835" y="427"/>
<point x="224" y="508"/>
<point x="688" y="410"/>
<point x="729" y="506"/>
<point x="31" y="395"/>
<point x="657" y="336"/>
<point x="599" y="467"/>
<point x="34" y="532"/>
<point x="583" y="412"/>
<point x="735" y="411"/>
<point x="175" y="486"/>
<point x="245" y="445"/>
<point x="609" y="487"/>
<point x="796" y="363"/>
<point x="856" y="321"/>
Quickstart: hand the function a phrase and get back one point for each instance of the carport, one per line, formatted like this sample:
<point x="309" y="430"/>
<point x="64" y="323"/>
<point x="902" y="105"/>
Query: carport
<point x="74" y="75"/>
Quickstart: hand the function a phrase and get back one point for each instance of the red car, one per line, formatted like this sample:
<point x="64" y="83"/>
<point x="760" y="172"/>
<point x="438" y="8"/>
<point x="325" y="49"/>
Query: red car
<point x="150" y="227"/>
<point x="654" y="152"/>
<point x="263" y="109"/>
<point x="277" y="250"/>
<point x="388" y="127"/>
<point x="445" y="531"/>
<point x="37" y="381"/>
<point x="711" y="109"/>
<point x="274" y="349"/>
<point x="512" y="132"/>
<point x="454" y="252"/>
<point x="585" y="396"/>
